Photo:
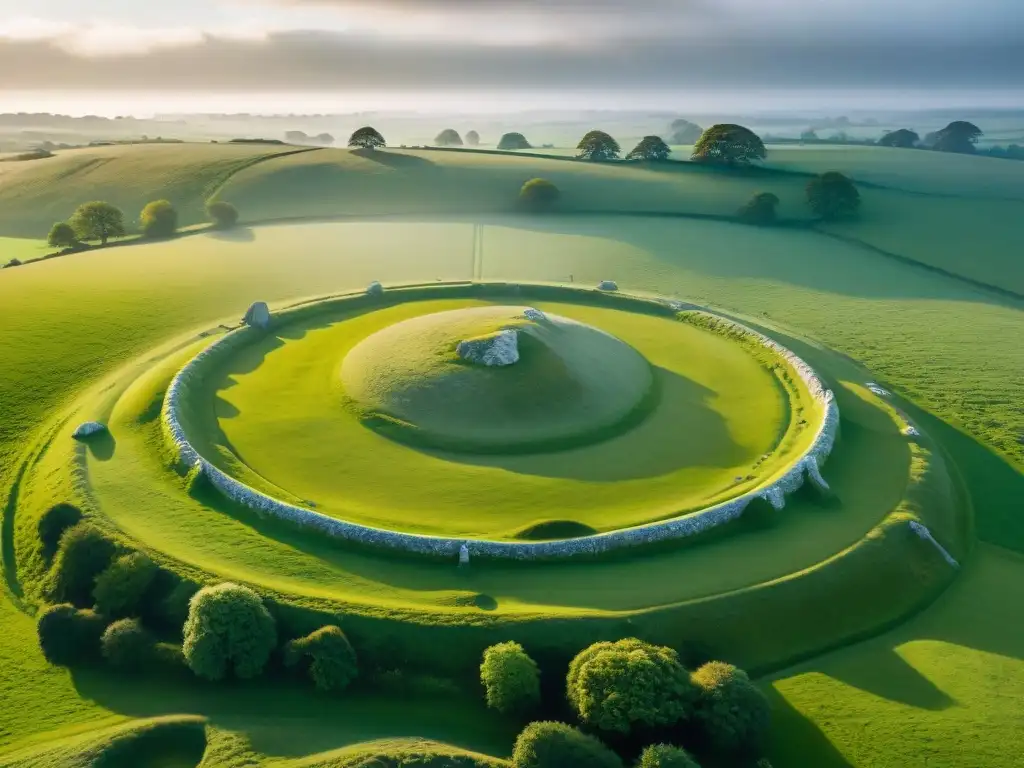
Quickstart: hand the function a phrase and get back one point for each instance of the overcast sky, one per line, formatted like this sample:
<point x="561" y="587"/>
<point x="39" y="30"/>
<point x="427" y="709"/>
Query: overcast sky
<point x="493" y="45"/>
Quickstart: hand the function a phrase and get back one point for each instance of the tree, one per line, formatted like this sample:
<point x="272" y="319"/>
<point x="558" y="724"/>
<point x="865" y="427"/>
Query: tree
<point x="159" y="219"/>
<point x="904" y="138"/>
<point x="296" y="137"/>
<point x="557" y="745"/>
<point x="323" y="138"/>
<point x="228" y="630"/>
<point x="809" y="135"/>
<point x="833" y="196"/>
<point x="616" y="686"/>
<point x="650" y="148"/>
<point x="728" y="144"/>
<point x="98" y="221"/>
<point x="684" y="132"/>
<point x="599" y="146"/>
<point x="510" y="678"/>
<point x="514" y="141"/>
<point x="120" y="588"/>
<point x="329" y="657"/>
<point x="539" y="194"/>
<point x="473" y="139"/>
<point x="760" y="209"/>
<point x="126" y="645"/>
<point x="69" y="636"/>
<point x="449" y="137"/>
<point x="223" y="215"/>
<point x="83" y="554"/>
<point x="366" y="138"/>
<point x="62" y="235"/>
<point x="733" y="712"/>
<point x="958" y="136"/>
<point x="53" y="523"/>
<point x="666" y="756"/>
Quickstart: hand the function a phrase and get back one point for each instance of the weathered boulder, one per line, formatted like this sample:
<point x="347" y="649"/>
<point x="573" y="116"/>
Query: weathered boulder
<point x="607" y="285"/>
<point x="257" y="316"/>
<point x="533" y="314"/>
<point x="375" y="289"/>
<point x="88" y="429"/>
<point x="501" y="348"/>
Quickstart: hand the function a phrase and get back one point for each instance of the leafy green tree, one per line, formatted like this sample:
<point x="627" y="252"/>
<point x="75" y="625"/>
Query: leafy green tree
<point x="62" y="235"/>
<point x="510" y="678"/>
<point x="557" y="745"/>
<point x="809" y="135"/>
<point x="617" y="686"/>
<point x="98" y="221"/>
<point x="53" y="523"/>
<point x="727" y="144"/>
<point x="833" y="196"/>
<point x="760" y="209"/>
<point x="650" y="148"/>
<point x="449" y="137"/>
<point x="684" y="132"/>
<point x="121" y="587"/>
<point x="69" y="636"/>
<point x="733" y="712"/>
<point x="539" y="194"/>
<point x="366" y="138"/>
<point x="126" y="645"/>
<point x="159" y="219"/>
<point x="328" y="655"/>
<point x="82" y="555"/>
<point x="666" y="756"/>
<point x="514" y="141"/>
<point x="228" y="630"/>
<point x="473" y="139"/>
<point x="223" y="215"/>
<point x="958" y="136"/>
<point x="599" y="146"/>
<point x="904" y="138"/>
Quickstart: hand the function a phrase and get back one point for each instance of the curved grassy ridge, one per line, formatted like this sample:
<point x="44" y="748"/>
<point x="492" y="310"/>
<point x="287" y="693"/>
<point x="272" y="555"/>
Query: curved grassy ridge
<point x="781" y="480"/>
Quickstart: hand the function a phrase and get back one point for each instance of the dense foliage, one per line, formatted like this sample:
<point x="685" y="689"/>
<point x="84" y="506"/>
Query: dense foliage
<point x="510" y="678"/>
<point x="366" y="138"/>
<point x="223" y="214"/>
<point x="228" y="630"/>
<point x="120" y="588"/>
<point x="62" y="235"/>
<point x="958" y="136"/>
<point x="127" y="646"/>
<point x="760" y="209"/>
<point x="617" y="686"/>
<point x="684" y="132"/>
<point x="329" y="656"/>
<point x="539" y="194"/>
<point x="904" y="138"/>
<point x="557" y="745"/>
<point x="98" y="221"/>
<point x="598" y="145"/>
<point x="82" y="555"/>
<point x="53" y="523"/>
<point x="159" y="219"/>
<point x="449" y="137"/>
<point x="473" y="139"/>
<point x="833" y="196"/>
<point x="666" y="756"/>
<point x="69" y="636"/>
<point x="514" y="141"/>
<point x="650" y="148"/>
<point x="733" y="712"/>
<point x="727" y="144"/>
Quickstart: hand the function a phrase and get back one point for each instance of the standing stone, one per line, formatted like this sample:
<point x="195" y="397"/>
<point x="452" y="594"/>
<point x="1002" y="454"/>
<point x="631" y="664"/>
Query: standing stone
<point x="375" y="289"/>
<point x="258" y="316"/>
<point x="464" y="556"/>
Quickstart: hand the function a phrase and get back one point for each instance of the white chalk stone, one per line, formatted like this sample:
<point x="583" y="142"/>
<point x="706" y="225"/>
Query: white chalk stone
<point x="257" y="316"/>
<point x="500" y="349"/>
<point x="88" y="429"/>
<point x="878" y="390"/>
<point x="607" y="285"/>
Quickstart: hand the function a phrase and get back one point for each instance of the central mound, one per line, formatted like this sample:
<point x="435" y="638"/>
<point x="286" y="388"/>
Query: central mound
<point x="447" y="380"/>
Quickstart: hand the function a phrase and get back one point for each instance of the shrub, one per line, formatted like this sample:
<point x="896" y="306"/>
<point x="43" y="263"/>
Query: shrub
<point x="223" y="215"/>
<point x="514" y="141"/>
<point x="666" y="756"/>
<point x="98" y="221"/>
<point x="120" y="588"/>
<point x="127" y="646"/>
<point x="539" y="194"/>
<point x="557" y="745"/>
<point x="54" y="522"/>
<point x="616" y="686"/>
<point x="732" y="711"/>
<point x="510" y="678"/>
<point x="62" y="235"/>
<point x="69" y="636"/>
<point x="833" y="196"/>
<point x="228" y="630"/>
<point x="82" y="555"/>
<point x="760" y="209"/>
<point x="172" y="607"/>
<point x="159" y="219"/>
<point x="332" y="661"/>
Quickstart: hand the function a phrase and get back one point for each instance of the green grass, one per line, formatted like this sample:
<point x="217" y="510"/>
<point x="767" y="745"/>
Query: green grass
<point x="22" y="249"/>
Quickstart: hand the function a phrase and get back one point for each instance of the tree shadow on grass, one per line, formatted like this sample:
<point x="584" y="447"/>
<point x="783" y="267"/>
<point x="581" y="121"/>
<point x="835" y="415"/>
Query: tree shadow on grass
<point x="393" y="158"/>
<point x="235" y="234"/>
<point x="797" y="742"/>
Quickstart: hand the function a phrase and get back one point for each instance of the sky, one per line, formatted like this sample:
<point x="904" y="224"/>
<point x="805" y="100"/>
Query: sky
<point x="530" y="52"/>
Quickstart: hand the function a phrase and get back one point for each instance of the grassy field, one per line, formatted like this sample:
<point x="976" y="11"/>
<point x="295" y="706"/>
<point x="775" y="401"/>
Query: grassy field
<point x="952" y="349"/>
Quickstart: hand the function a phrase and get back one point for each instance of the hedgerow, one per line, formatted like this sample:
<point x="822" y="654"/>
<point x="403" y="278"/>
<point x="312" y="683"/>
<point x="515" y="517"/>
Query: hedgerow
<point x="68" y="635"/>
<point x="127" y="646"/>
<point x="121" y="587"/>
<point x="557" y="745"/>
<point x="83" y="554"/>
<point x="53" y="523"/>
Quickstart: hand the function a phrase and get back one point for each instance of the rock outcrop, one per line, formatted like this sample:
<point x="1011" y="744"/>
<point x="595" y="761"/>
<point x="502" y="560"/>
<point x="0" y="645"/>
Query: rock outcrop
<point x="258" y="316"/>
<point x="534" y="314"/>
<point x="607" y="285"/>
<point x="88" y="429"/>
<point x="501" y="348"/>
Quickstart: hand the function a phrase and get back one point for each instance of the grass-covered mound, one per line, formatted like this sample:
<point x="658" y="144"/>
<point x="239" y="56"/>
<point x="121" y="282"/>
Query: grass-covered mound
<point x="572" y="383"/>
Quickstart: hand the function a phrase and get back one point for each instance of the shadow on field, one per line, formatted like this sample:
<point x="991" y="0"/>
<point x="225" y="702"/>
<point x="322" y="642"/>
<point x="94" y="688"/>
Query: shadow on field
<point x="394" y="158"/>
<point x="101" y="445"/>
<point x="795" y="740"/>
<point x="235" y="234"/>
